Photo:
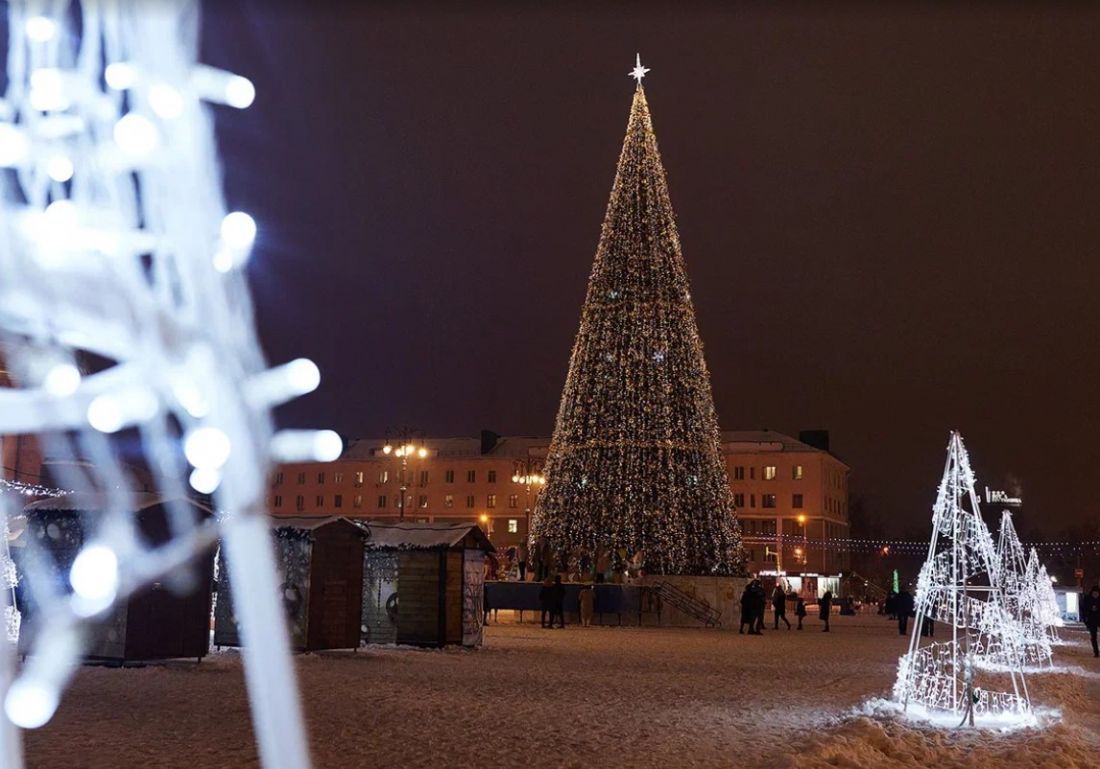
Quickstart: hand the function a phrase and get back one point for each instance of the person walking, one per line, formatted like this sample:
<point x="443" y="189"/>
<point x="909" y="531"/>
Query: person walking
<point x="521" y="559"/>
<point x="748" y="614"/>
<point x="759" y="605"/>
<point x="587" y="600"/>
<point x="825" y="604"/>
<point x="779" y="606"/>
<point x="557" y="602"/>
<point x="903" y="605"/>
<point x="1090" y="615"/>
<point x="800" y="611"/>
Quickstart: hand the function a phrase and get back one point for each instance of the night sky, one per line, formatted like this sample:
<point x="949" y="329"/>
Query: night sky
<point x="889" y="217"/>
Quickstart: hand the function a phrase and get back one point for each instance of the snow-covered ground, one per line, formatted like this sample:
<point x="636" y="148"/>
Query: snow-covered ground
<point x="597" y="698"/>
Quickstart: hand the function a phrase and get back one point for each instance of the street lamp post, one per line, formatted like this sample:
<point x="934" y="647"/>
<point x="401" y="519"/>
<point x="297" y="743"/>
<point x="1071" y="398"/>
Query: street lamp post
<point x="525" y="471"/>
<point x="404" y="450"/>
<point x="805" y="541"/>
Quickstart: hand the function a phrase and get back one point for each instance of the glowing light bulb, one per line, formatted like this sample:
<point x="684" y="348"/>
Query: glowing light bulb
<point x="422" y="453"/>
<point x="239" y="92"/>
<point x="327" y="445"/>
<point x="206" y="448"/>
<point x="59" y="168"/>
<point x="387" y="449"/>
<point x="105" y="415"/>
<point x="136" y="135"/>
<point x="205" y="480"/>
<point x="62" y="380"/>
<point x="30" y="704"/>
<point x="48" y="91"/>
<point x="94" y="577"/>
<point x="165" y="101"/>
<point x="120" y="75"/>
<point x="238" y="230"/>
<point x="14" y="145"/>
<point x="40" y="29"/>
<point x="303" y="375"/>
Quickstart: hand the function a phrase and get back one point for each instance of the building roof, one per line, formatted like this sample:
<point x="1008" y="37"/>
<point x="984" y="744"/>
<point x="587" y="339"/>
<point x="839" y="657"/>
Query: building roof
<point x="767" y="440"/>
<point x="423" y="536"/>
<point x="97" y="501"/>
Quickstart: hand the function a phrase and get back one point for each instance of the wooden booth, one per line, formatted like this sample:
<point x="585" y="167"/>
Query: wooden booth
<point x="423" y="583"/>
<point x="164" y="620"/>
<point x="320" y="561"/>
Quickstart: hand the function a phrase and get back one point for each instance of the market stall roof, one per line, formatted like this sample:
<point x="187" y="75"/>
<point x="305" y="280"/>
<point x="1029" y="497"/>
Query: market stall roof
<point x="424" y="536"/>
<point x="96" y="501"/>
<point x="306" y="522"/>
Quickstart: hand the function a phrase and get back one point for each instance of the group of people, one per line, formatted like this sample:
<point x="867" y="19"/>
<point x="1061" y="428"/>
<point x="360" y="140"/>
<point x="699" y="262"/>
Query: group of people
<point x="754" y="603"/>
<point x="552" y="603"/>
<point x="541" y="561"/>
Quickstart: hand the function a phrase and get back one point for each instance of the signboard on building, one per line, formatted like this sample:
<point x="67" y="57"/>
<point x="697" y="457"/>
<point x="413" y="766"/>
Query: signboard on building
<point x="995" y="497"/>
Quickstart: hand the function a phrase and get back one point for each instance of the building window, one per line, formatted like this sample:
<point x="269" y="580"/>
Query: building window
<point x="320" y="500"/>
<point x="384" y="476"/>
<point x="449" y="500"/>
<point x="513" y="500"/>
<point x="796" y="473"/>
<point x="491" y="500"/>
<point x="321" y="477"/>
<point x="471" y="476"/>
<point x="752" y="473"/>
<point x="423" y="477"/>
<point x="358" y="477"/>
<point x="337" y="477"/>
<point x="358" y="501"/>
<point x="301" y="478"/>
<point x="513" y="526"/>
<point x="767" y="500"/>
<point x="769" y="473"/>
<point x="278" y="479"/>
<point x="492" y="476"/>
<point x="739" y="473"/>
<point x="299" y="502"/>
<point x="449" y="476"/>
<point x="278" y="501"/>
<point x="470" y="502"/>
<point x="381" y="501"/>
<point x="338" y="500"/>
<point x="752" y="500"/>
<point x="739" y="500"/>
<point x="796" y="501"/>
<point x="423" y="501"/>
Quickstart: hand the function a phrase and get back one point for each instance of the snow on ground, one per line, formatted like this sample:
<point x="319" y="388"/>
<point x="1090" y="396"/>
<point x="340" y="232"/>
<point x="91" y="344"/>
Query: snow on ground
<point x="596" y="697"/>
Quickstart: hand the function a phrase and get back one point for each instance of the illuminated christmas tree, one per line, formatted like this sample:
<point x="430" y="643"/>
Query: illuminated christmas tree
<point x="635" y="465"/>
<point x="1019" y="594"/>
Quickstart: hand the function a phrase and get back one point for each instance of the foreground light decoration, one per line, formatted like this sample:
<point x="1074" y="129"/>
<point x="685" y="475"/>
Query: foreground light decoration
<point x="124" y="312"/>
<point x="1020" y="596"/>
<point x="1044" y="602"/>
<point x="635" y="464"/>
<point x="957" y="589"/>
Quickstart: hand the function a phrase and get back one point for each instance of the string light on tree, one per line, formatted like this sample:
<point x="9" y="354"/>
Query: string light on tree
<point x="635" y="464"/>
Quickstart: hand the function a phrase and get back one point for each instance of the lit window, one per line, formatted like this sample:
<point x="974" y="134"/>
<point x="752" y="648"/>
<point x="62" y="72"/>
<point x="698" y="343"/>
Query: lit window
<point x="492" y="476"/>
<point x="513" y="526"/>
<point x="470" y="501"/>
<point x="278" y="501"/>
<point x="338" y="500"/>
<point x="449" y="500"/>
<point x="358" y="477"/>
<point x="449" y="476"/>
<point x="471" y="476"/>
<point x="423" y="502"/>
<point x="796" y="472"/>
<point x="769" y="473"/>
<point x="337" y="477"/>
<point x="767" y="500"/>
<point x="384" y="476"/>
<point x="796" y="501"/>
<point x="358" y="501"/>
<point x="381" y="501"/>
<point x="278" y="479"/>
<point x="491" y="500"/>
<point x="513" y="500"/>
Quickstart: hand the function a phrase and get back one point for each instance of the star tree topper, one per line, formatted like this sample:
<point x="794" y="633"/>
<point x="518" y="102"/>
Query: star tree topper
<point x="639" y="71"/>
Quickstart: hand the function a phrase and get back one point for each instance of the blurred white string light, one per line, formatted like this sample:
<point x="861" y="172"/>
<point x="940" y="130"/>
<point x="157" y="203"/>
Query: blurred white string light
<point x="116" y="246"/>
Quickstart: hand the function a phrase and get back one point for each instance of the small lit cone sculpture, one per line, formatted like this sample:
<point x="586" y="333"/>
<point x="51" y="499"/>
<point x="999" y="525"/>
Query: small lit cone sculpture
<point x="937" y="678"/>
<point x="116" y="248"/>
<point x="1019" y="595"/>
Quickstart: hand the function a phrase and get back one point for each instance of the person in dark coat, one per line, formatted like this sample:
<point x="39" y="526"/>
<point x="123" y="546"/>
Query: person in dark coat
<point x="557" y="602"/>
<point x="747" y="616"/>
<point x="544" y="602"/>
<point x="903" y="605"/>
<point x="800" y="611"/>
<point x="779" y="606"/>
<point x="759" y="604"/>
<point x="825" y="604"/>
<point x="1090" y="615"/>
